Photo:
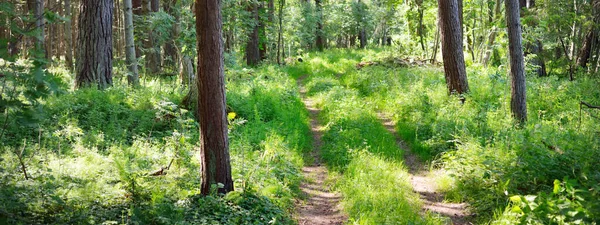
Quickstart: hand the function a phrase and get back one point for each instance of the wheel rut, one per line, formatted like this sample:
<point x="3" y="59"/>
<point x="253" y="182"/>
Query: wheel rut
<point x="423" y="182"/>
<point x="322" y="205"/>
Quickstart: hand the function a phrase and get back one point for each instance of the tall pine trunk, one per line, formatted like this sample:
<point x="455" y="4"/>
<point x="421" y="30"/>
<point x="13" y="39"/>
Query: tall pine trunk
<point x="94" y="48"/>
<point x="214" y="143"/>
<point x="518" y="103"/>
<point x="252" y="46"/>
<point x="452" y="47"/>
<point x="130" y="59"/>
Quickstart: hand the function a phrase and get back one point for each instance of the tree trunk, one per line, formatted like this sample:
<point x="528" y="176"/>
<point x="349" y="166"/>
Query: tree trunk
<point x="252" y="46"/>
<point x="536" y="47"/>
<point x="130" y="59"/>
<point x="279" y="35"/>
<point x="152" y="51"/>
<point x="94" y="51"/>
<point x="319" y="34"/>
<point x="452" y="47"/>
<point x="188" y="79"/>
<point x="493" y="33"/>
<point x="262" y="29"/>
<point x="214" y="143"/>
<point x="38" y="9"/>
<point x="68" y="36"/>
<point x="518" y="99"/>
<point x="171" y="52"/>
<point x="592" y="35"/>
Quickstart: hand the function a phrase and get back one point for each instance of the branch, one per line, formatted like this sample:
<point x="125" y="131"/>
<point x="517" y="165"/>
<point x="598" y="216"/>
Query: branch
<point x="589" y="105"/>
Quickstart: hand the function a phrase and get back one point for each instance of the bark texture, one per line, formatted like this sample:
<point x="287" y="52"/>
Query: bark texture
<point x="452" y="47"/>
<point x="518" y="104"/>
<point x="252" y="46"/>
<point x="214" y="143"/>
<point x="94" y="51"/>
<point x="130" y="58"/>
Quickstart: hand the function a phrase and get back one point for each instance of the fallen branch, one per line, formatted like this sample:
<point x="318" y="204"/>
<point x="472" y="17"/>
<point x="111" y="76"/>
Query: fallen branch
<point x="162" y="171"/>
<point x="553" y="147"/>
<point x="20" y="157"/>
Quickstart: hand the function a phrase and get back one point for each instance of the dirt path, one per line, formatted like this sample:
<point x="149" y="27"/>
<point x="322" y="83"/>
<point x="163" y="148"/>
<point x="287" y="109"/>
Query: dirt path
<point x="423" y="182"/>
<point x="321" y="206"/>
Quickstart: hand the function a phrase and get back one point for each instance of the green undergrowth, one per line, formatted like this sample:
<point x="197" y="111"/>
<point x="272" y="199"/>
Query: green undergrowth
<point x="89" y="161"/>
<point x="372" y="178"/>
<point x="490" y="158"/>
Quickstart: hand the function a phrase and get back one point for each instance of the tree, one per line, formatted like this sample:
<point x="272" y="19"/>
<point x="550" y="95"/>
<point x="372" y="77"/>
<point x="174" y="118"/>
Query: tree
<point x="131" y="60"/>
<point x="592" y="34"/>
<point x="452" y="47"/>
<point x="518" y="103"/>
<point x="252" y="46"/>
<point x="94" y="51"/>
<point x="214" y="143"/>
<point x="68" y="35"/>
<point x="535" y="46"/>
<point x="319" y="42"/>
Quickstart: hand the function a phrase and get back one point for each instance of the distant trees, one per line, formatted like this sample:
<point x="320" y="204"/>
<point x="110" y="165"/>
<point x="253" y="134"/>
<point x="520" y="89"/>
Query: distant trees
<point x="214" y="142"/>
<point x="452" y="47"/>
<point x="94" y="48"/>
<point x="518" y="99"/>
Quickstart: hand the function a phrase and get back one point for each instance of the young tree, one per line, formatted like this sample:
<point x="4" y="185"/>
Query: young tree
<point x="94" y="49"/>
<point x="133" y="75"/>
<point x="214" y="143"/>
<point x="518" y="103"/>
<point x="452" y="47"/>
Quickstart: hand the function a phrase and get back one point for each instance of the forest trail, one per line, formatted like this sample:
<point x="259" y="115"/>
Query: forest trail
<point x="423" y="182"/>
<point x="321" y="206"/>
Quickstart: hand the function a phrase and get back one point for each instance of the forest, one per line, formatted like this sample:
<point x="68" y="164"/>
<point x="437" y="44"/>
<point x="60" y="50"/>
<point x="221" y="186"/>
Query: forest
<point x="300" y="112"/>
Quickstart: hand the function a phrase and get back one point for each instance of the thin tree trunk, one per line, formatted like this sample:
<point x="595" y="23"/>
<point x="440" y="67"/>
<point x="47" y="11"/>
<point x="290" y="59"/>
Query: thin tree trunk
<point x="68" y="36"/>
<point x="130" y="58"/>
<point x="262" y="29"/>
<point x="452" y="47"/>
<point x="518" y="101"/>
<point x="493" y="33"/>
<point x="319" y="36"/>
<point x="214" y="143"/>
<point x="279" y="35"/>
<point x="171" y="52"/>
<point x="94" y="51"/>
<point x="40" y="24"/>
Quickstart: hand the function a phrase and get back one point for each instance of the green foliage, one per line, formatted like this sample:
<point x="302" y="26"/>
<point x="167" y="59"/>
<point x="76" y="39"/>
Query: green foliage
<point x="566" y="204"/>
<point x="96" y="157"/>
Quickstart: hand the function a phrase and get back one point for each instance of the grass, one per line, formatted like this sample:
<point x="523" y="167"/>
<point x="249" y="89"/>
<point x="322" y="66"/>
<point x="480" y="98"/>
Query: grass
<point x="90" y="158"/>
<point x="372" y="178"/>
<point x="487" y="159"/>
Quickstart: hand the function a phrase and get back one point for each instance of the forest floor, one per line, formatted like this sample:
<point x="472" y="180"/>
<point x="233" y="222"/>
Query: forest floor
<point x="322" y="204"/>
<point x="423" y="182"/>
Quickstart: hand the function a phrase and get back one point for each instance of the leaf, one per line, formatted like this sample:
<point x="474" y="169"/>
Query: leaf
<point x="516" y="199"/>
<point x="556" y="187"/>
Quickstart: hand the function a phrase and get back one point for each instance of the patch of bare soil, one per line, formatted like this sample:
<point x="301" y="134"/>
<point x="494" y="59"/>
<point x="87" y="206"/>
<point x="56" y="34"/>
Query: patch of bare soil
<point x="423" y="182"/>
<point x="321" y="206"/>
